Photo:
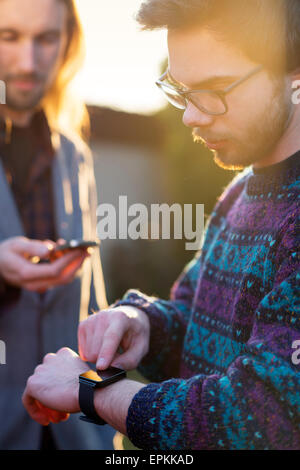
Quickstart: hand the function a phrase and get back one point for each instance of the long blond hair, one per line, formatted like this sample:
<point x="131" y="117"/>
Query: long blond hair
<point x="65" y="112"/>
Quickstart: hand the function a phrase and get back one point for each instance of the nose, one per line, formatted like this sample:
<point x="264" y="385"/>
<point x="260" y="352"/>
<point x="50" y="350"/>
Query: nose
<point x="193" y="117"/>
<point x="27" y="56"/>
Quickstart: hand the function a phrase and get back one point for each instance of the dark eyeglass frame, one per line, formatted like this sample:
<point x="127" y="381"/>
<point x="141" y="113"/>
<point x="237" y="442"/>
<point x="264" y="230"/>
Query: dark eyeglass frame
<point x="186" y="94"/>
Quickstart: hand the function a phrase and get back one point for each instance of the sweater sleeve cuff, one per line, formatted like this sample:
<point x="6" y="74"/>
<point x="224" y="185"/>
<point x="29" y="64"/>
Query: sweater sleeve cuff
<point x="141" y="422"/>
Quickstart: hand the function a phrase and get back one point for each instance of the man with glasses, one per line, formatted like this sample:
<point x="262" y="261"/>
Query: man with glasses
<point x="219" y="351"/>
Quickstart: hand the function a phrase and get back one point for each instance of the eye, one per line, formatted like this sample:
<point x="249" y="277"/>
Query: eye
<point x="49" y="38"/>
<point x="8" y="36"/>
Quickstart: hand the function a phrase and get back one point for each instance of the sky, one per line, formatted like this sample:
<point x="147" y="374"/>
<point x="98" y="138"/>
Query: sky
<point x="122" y="63"/>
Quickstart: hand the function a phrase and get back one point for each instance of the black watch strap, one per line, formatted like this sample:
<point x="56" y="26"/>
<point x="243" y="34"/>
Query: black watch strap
<point x="86" y="403"/>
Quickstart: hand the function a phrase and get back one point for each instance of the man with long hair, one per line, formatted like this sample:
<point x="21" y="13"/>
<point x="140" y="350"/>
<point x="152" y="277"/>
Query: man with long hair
<point x="220" y="351"/>
<point x="47" y="193"/>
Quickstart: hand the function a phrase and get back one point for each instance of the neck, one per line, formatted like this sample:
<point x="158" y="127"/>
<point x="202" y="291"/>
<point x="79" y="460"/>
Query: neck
<point x="18" y="118"/>
<point x="286" y="146"/>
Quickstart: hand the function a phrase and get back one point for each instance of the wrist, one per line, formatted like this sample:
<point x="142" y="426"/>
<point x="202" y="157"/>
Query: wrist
<point x="75" y="399"/>
<point x="89" y="382"/>
<point x="112" y="403"/>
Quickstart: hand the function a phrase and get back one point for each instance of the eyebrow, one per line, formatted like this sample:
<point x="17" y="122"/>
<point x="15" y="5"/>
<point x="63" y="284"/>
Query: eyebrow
<point x="202" y="85"/>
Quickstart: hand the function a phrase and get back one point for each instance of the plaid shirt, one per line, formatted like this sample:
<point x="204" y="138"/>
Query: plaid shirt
<point x="34" y="194"/>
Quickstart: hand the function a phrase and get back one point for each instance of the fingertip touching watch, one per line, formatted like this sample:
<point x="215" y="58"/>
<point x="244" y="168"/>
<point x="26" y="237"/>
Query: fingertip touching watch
<point x="89" y="382"/>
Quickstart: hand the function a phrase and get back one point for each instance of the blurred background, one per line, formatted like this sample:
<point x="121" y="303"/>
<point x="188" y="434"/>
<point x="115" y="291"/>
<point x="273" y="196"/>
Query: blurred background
<point x="141" y="148"/>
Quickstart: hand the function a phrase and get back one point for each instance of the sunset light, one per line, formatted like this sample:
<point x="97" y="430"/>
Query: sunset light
<point x="122" y="63"/>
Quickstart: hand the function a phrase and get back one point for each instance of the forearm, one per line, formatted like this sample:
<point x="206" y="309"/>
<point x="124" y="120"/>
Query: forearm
<point x="112" y="402"/>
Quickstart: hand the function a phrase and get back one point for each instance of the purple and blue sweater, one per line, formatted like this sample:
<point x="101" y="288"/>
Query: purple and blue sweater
<point x="220" y="357"/>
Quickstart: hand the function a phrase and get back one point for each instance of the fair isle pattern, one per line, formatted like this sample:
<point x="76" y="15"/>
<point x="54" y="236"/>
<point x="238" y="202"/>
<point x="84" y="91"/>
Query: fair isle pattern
<point x="221" y="347"/>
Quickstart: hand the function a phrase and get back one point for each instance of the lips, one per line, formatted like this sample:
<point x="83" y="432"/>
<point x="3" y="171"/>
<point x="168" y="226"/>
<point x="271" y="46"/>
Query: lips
<point x="25" y="85"/>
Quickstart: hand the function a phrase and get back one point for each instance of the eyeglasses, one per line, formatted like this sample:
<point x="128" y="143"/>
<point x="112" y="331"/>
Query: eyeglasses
<point x="211" y="102"/>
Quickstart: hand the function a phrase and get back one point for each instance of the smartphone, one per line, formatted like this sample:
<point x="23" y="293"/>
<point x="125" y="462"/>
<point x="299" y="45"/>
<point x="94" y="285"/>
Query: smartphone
<point x="64" y="248"/>
<point x="76" y="244"/>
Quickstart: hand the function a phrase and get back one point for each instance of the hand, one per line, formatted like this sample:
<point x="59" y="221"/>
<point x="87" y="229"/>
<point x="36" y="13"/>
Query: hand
<point x="52" y="391"/>
<point x="101" y="335"/>
<point x="16" y="267"/>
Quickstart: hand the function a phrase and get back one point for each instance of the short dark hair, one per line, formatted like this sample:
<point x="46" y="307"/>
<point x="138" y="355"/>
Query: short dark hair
<point x="268" y="31"/>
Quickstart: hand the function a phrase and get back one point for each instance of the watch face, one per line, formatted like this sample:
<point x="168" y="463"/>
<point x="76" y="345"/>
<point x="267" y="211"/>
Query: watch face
<point x="103" y="377"/>
<point x="110" y="373"/>
<point x="91" y="375"/>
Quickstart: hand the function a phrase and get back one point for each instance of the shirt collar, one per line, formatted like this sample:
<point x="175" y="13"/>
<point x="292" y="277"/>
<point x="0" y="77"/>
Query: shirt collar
<point x="39" y="125"/>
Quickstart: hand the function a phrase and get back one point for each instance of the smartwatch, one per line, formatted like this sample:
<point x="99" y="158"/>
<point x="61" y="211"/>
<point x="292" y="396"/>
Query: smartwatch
<point x="90" y="381"/>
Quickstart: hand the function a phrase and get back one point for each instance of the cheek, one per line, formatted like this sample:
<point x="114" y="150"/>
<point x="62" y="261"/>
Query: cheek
<point x="243" y="105"/>
<point x="48" y="57"/>
<point x="8" y="57"/>
<point x="51" y="55"/>
<point x="245" y="111"/>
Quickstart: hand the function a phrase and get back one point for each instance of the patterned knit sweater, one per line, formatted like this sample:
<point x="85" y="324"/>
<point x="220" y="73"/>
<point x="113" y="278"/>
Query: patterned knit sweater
<point x="221" y="348"/>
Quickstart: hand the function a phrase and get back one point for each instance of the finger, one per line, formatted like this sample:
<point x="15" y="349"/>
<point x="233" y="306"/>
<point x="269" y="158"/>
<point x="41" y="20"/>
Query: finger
<point x="133" y="351"/>
<point x="33" y="247"/>
<point x="34" y="410"/>
<point x="94" y="339"/>
<point x="130" y="359"/>
<point x="65" y="278"/>
<point x="57" y="416"/>
<point x="70" y="271"/>
<point x="43" y="285"/>
<point x="52" y="415"/>
<point x="111" y="341"/>
<point x="86" y="346"/>
<point x="48" y="272"/>
<point x="81" y="337"/>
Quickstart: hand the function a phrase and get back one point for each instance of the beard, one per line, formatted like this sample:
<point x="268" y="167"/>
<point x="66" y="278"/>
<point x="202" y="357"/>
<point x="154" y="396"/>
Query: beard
<point x="23" y="100"/>
<point x="260" y="138"/>
<point x="23" y="103"/>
